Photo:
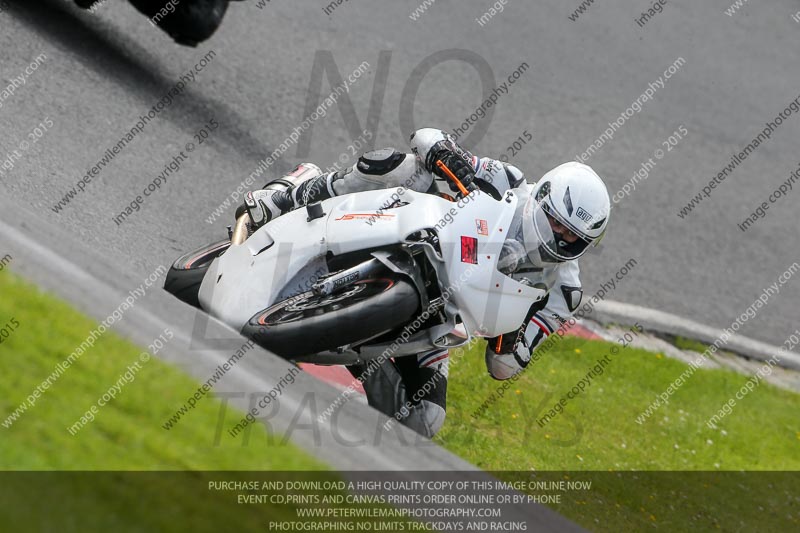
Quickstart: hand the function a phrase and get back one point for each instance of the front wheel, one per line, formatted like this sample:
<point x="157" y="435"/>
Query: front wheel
<point x="308" y="323"/>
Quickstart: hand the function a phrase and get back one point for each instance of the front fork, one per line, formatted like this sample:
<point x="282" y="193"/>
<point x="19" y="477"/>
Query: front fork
<point x="365" y="270"/>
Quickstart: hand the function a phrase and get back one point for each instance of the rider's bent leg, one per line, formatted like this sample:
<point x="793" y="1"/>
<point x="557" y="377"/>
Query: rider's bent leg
<point x="412" y="390"/>
<point x="383" y="169"/>
<point x="378" y="169"/>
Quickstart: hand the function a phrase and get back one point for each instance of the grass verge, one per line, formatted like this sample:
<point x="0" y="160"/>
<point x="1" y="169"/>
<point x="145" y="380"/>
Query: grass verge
<point x="126" y="434"/>
<point x="598" y="432"/>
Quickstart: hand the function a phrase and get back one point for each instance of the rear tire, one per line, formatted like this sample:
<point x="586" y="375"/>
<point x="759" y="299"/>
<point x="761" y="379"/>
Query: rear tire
<point x="307" y="324"/>
<point x="187" y="273"/>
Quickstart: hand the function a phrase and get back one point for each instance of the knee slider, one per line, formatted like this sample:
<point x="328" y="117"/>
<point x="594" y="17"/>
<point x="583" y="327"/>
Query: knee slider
<point x="502" y="366"/>
<point x="426" y="418"/>
<point x="380" y="162"/>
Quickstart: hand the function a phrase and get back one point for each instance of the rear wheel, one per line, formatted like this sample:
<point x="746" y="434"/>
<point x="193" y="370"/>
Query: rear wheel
<point x="308" y="323"/>
<point x="187" y="273"/>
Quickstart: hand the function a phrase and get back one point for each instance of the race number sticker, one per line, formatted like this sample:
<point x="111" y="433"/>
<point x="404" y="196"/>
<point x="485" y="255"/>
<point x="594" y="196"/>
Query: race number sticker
<point x="482" y="226"/>
<point x="469" y="250"/>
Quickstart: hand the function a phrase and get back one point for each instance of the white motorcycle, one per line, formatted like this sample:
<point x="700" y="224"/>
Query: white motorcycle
<point x="359" y="275"/>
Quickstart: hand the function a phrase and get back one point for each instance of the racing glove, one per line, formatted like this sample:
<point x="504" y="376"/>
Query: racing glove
<point x="456" y="159"/>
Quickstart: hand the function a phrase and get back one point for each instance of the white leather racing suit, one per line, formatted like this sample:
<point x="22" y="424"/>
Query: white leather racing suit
<point x="399" y="388"/>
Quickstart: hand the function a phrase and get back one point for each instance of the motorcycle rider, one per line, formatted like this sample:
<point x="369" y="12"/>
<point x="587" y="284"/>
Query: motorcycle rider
<point x="560" y="217"/>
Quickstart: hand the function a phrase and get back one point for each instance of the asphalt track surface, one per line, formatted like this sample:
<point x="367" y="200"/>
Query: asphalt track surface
<point x="102" y="71"/>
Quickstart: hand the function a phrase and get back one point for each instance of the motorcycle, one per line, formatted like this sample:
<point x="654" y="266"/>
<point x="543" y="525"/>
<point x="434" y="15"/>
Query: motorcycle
<point x="353" y="277"/>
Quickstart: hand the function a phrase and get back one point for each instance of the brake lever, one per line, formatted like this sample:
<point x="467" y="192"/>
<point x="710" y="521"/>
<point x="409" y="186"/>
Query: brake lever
<point x="447" y="172"/>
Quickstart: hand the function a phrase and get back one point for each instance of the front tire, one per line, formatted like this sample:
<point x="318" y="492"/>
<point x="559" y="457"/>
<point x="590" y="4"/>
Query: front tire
<point x="306" y="324"/>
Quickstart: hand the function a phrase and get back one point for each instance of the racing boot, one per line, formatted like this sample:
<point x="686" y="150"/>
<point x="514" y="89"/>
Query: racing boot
<point x="305" y="184"/>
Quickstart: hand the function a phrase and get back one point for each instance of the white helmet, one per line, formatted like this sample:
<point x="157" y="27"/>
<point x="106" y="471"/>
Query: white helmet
<point x="573" y="197"/>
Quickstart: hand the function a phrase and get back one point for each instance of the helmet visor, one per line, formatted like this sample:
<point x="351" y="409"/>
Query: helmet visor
<point x="557" y="239"/>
